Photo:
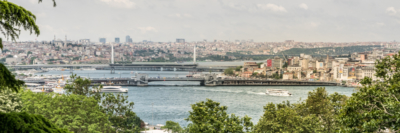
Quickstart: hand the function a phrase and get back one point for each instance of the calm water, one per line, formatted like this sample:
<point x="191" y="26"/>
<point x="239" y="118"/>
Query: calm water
<point x="174" y="102"/>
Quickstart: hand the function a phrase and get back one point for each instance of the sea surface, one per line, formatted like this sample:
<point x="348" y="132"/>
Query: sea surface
<point x="157" y="104"/>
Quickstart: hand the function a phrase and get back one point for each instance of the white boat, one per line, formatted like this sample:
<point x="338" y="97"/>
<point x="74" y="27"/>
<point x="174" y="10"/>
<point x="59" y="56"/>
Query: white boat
<point x="277" y="92"/>
<point x="113" y="89"/>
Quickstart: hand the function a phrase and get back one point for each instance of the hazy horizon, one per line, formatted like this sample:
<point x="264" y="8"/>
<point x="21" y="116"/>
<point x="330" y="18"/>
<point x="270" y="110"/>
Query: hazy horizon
<point x="195" y="20"/>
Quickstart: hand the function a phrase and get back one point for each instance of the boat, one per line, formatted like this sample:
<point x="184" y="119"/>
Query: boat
<point x="113" y="89"/>
<point x="278" y="92"/>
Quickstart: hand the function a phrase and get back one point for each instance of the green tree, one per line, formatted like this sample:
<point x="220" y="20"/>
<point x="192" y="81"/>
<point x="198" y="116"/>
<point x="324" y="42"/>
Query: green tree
<point x="259" y="64"/>
<point x="285" y="65"/>
<point x="116" y="106"/>
<point x="8" y="81"/>
<point x="14" y="18"/>
<point x="29" y="52"/>
<point x="238" y="68"/>
<point x="210" y="117"/>
<point x="283" y="117"/>
<point x="76" y="113"/>
<point x="10" y="101"/>
<point x="375" y="107"/>
<point x="255" y="74"/>
<point x="228" y="71"/>
<point x="16" y="122"/>
<point x="173" y="126"/>
<point x="318" y="113"/>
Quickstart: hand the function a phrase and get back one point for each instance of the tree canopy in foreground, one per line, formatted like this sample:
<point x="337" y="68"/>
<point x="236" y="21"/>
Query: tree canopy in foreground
<point x="15" y="122"/>
<point x="375" y="107"/>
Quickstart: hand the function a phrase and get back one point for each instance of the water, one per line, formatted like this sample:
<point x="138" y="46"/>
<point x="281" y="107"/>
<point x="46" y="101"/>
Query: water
<point x="174" y="102"/>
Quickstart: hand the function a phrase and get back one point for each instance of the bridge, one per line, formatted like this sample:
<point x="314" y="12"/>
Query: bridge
<point x="204" y="80"/>
<point x="208" y="80"/>
<point x="133" y="67"/>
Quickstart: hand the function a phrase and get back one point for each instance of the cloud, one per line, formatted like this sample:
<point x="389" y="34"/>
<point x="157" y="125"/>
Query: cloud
<point x="177" y="15"/>
<point x="147" y="29"/>
<point x="303" y="6"/>
<point x="380" y="24"/>
<point x="391" y="11"/>
<point x="271" y="7"/>
<point x="120" y="3"/>
<point x="237" y="7"/>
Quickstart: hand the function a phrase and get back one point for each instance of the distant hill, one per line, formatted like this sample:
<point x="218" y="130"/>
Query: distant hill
<point x="328" y="50"/>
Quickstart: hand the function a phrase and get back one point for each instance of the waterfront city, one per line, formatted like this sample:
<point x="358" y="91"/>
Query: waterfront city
<point x="199" y="66"/>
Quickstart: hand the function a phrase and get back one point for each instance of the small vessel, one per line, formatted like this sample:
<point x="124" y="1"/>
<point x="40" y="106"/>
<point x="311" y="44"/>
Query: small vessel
<point x="113" y="89"/>
<point x="278" y="92"/>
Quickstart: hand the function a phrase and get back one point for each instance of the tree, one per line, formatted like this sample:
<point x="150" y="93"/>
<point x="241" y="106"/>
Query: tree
<point x="210" y="117"/>
<point x="80" y="86"/>
<point x="285" y="65"/>
<point x="259" y="64"/>
<point x="238" y="68"/>
<point x="12" y="19"/>
<point x="228" y="71"/>
<point x="76" y="113"/>
<point x="116" y="106"/>
<point x="8" y="81"/>
<point x="29" y="52"/>
<point x="10" y="101"/>
<point x="15" y="122"/>
<point x="283" y="117"/>
<point x="318" y="113"/>
<point x="375" y="107"/>
<point x="173" y="126"/>
<point x="254" y="74"/>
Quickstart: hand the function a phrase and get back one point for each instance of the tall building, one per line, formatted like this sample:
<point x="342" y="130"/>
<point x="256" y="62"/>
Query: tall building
<point x="117" y="40"/>
<point x="277" y="62"/>
<point x="102" y="40"/>
<point x="180" y="40"/>
<point x="128" y="39"/>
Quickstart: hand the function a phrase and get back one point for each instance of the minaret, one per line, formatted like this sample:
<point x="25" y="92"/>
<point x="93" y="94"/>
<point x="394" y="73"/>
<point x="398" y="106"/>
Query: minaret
<point x="194" y="54"/>
<point x="54" y="38"/>
<point x="65" y="39"/>
<point x="112" y="54"/>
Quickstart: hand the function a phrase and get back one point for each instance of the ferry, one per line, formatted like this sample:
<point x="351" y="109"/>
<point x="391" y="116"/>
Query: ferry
<point x="114" y="89"/>
<point x="278" y="92"/>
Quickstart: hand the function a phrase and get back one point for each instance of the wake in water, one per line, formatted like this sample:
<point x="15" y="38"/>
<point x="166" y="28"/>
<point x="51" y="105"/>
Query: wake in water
<point x="256" y="93"/>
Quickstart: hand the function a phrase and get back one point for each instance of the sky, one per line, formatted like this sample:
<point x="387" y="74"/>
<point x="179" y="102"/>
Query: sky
<point x="196" y="20"/>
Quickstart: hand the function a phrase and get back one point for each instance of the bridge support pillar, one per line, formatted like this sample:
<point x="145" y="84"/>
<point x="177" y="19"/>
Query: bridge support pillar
<point x="112" y="70"/>
<point x="174" y="68"/>
<point x="161" y="69"/>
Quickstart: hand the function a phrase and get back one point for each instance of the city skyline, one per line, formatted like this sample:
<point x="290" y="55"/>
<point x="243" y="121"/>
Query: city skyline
<point x="263" y="21"/>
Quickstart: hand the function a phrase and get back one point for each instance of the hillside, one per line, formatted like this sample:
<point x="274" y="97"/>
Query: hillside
<point x="328" y="50"/>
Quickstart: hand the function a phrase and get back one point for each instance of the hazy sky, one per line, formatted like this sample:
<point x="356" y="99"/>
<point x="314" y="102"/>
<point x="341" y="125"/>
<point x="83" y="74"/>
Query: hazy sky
<point x="195" y="20"/>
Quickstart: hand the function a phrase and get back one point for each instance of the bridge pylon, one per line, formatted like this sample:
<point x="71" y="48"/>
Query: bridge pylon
<point x="112" y="70"/>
